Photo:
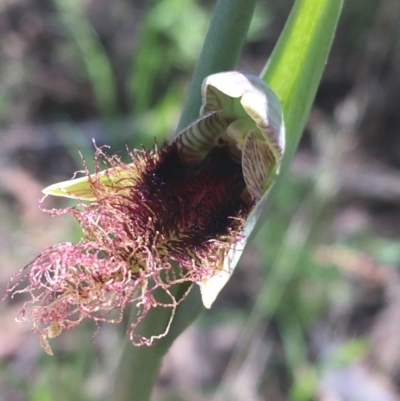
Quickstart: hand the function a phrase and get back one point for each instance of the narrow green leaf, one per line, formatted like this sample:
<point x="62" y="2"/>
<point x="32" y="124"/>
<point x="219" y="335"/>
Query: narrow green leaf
<point x="297" y="62"/>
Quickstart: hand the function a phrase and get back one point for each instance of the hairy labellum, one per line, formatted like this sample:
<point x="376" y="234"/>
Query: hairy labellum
<point x="158" y="211"/>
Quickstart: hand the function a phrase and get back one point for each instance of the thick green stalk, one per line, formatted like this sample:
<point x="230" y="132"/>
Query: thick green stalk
<point x="139" y="366"/>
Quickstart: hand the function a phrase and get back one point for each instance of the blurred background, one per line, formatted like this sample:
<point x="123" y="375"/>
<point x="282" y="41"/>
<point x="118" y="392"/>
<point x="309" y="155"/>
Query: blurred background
<point x="313" y="310"/>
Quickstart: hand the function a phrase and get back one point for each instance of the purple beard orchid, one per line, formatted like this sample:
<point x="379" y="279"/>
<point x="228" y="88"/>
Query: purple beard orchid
<point x="179" y="213"/>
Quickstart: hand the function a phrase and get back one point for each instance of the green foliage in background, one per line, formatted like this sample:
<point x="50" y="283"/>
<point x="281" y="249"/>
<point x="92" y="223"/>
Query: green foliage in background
<point x="296" y="291"/>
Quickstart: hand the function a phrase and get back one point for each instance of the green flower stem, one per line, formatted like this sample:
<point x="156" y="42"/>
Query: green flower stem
<point x="221" y="49"/>
<point x="135" y="367"/>
<point x="139" y="366"/>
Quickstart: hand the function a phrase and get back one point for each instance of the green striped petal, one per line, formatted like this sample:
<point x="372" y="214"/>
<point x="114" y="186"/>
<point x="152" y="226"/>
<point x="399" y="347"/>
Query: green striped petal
<point x="196" y="140"/>
<point x="235" y="105"/>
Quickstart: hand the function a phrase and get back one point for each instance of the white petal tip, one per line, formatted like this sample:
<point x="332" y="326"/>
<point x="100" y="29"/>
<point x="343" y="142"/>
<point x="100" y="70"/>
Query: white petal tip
<point x="211" y="288"/>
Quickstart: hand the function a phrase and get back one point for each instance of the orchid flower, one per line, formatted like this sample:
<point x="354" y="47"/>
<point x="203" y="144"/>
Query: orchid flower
<point x="179" y="213"/>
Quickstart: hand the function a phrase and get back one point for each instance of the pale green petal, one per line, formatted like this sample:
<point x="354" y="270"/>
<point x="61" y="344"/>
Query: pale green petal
<point x="82" y="189"/>
<point x="78" y="188"/>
